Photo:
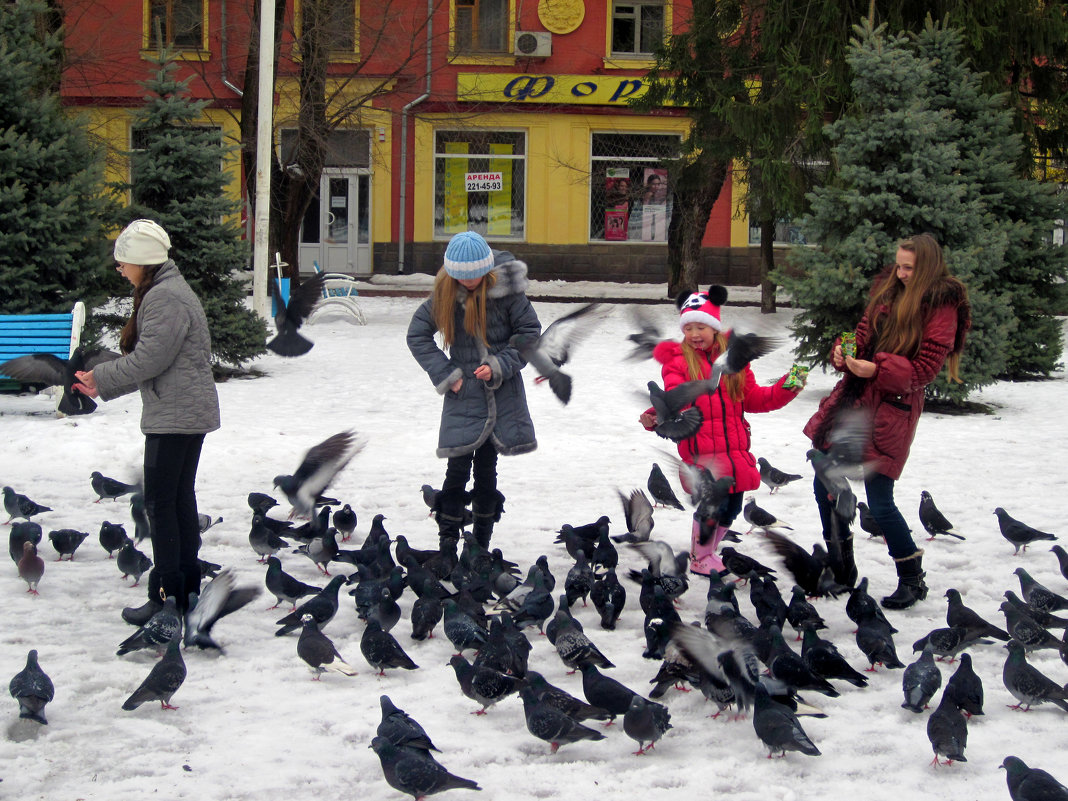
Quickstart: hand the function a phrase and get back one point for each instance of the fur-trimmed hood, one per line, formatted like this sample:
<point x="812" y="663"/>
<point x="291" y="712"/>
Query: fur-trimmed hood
<point x="511" y="277"/>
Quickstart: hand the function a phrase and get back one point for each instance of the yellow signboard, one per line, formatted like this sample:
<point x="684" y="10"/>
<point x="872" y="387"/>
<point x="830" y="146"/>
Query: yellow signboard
<point x="599" y="90"/>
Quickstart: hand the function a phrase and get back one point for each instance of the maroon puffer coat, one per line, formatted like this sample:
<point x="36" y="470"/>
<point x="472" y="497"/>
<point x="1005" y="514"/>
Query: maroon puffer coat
<point x="895" y="394"/>
<point x="722" y="443"/>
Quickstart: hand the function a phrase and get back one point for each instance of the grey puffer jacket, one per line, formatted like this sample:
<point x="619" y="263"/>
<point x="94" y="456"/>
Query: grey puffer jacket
<point x="481" y="409"/>
<point x="171" y="363"/>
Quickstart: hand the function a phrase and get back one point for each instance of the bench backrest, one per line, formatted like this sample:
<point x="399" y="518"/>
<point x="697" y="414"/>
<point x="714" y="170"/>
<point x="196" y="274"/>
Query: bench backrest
<point x="58" y="334"/>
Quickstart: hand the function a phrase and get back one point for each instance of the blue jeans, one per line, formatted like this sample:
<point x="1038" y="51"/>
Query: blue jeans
<point x="879" y="489"/>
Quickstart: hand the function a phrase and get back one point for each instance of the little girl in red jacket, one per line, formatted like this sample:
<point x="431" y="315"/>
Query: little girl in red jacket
<point x="722" y="443"/>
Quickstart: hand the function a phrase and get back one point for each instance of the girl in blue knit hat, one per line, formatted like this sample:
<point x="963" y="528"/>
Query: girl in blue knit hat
<point x="478" y="302"/>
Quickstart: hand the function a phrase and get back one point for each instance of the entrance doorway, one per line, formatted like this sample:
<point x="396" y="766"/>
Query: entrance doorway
<point x="336" y="232"/>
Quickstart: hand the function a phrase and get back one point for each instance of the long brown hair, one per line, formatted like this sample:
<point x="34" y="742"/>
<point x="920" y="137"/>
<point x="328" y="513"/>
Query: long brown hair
<point x="443" y="305"/>
<point x="897" y="310"/>
<point x="696" y="362"/>
<point x="128" y="336"/>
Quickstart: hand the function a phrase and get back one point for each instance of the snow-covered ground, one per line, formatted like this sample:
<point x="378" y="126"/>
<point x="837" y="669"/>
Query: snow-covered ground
<point x="251" y="723"/>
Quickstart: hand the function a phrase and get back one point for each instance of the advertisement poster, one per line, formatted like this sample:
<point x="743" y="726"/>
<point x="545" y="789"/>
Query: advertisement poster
<point x="615" y="225"/>
<point x="654" y="209"/>
<point x="617" y="203"/>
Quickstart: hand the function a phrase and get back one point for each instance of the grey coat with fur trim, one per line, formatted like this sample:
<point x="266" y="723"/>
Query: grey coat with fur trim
<point x="481" y="409"/>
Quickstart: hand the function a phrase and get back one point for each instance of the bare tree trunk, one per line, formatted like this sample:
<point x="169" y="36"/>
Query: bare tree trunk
<point x="696" y="187"/>
<point x="767" y="265"/>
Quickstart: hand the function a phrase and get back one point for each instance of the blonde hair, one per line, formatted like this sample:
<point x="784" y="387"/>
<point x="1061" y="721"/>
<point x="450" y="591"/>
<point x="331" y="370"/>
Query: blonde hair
<point x="443" y="303"/>
<point x="734" y="383"/>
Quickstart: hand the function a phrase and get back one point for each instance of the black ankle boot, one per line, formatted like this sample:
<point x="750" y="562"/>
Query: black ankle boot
<point x="139" y="615"/>
<point x="910" y="586"/>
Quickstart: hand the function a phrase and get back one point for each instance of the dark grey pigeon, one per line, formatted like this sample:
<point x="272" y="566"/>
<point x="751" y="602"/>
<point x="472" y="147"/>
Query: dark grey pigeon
<point x="344" y="521"/>
<point x="52" y="371"/>
<point x="317" y="469"/>
<point x="131" y="562"/>
<point x="948" y="641"/>
<point x="605" y="692"/>
<point x="139" y="515"/>
<point x="548" y="723"/>
<point x="773" y="477"/>
<point x="861" y="603"/>
<point x="876" y="643"/>
<point x="110" y="488"/>
<point x="162" y="681"/>
<point x="1025" y="630"/>
<point x="400" y="729"/>
<point x="285" y="587"/>
<point x="551" y="350"/>
<point x="921" y="681"/>
<point x="805" y="567"/>
<point x="947" y="729"/>
<point x="32" y="688"/>
<point x="933" y="521"/>
<point x="322" y="607"/>
<point x="1019" y="534"/>
<point x="568" y="704"/>
<point x="381" y="649"/>
<point x="219" y="598"/>
<point x="1062" y="559"/>
<point x="959" y="615"/>
<point x="760" y="518"/>
<point x="261" y="502"/>
<point x="1045" y="619"/>
<point x="743" y="566"/>
<point x="21" y="506"/>
<point x="868" y="522"/>
<point x="609" y="597"/>
<point x="427" y="612"/>
<point x="112" y="537"/>
<point x="1037" y="596"/>
<point x="536" y="606"/>
<point x="160" y="629"/>
<point x="483" y="684"/>
<point x="66" y="541"/>
<point x="386" y="611"/>
<point x="966" y="688"/>
<point x="660" y="488"/>
<point x="1028" y="685"/>
<point x="824" y="659"/>
<point x="415" y="772"/>
<point x="576" y="649"/>
<point x="207" y="521"/>
<point x="676" y="416"/>
<point x="1031" y="784"/>
<point x="319" y="651"/>
<point x="26" y="531"/>
<point x="263" y="539"/>
<point x="646" y="722"/>
<point x="801" y="614"/>
<point x="462" y="630"/>
<point x="777" y="726"/>
<point x="290" y="316"/>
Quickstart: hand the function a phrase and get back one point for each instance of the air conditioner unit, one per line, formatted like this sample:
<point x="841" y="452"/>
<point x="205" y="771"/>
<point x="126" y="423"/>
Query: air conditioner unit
<point x="533" y="44"/>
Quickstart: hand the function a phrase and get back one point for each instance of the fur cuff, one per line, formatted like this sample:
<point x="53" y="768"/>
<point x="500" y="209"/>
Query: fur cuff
<point x="453" y="377"/>
<point x="498" y="376"/>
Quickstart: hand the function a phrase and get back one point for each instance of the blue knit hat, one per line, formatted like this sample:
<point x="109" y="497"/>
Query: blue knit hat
<point x="468" y="256"/>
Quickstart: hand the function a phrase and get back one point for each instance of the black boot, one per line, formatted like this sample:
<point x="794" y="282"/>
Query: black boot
<point x="486" y="511"/>
<point x="840" y="556"/>
<point x="449" y="512"/>
<point x="139" y="615"/>
<point x="910" y="586"/>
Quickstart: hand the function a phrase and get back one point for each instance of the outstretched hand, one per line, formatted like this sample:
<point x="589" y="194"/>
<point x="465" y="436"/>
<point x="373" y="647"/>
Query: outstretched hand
<point x="86" y="384"/>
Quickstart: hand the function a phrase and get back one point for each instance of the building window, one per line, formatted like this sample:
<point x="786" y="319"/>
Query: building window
<point x="332" y="22"/>
<point x="481" y="26"/>
<point x="637" y="28"/>
<point x="180" y="23"/>
<point x="787" y="232"/>
<point x="480" y="183"/>
<point x="630" y="195"/>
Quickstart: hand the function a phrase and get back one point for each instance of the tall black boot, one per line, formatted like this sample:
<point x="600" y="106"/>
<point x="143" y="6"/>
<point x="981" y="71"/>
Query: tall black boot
<point x="487" y="510"/>
<point x="449" y="512"/>
<point x="840" y="555"/>
<point x="910" y="586"/>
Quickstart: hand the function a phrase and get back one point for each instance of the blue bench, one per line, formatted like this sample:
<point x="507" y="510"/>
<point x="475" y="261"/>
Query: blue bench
<point x="22" y="334"/>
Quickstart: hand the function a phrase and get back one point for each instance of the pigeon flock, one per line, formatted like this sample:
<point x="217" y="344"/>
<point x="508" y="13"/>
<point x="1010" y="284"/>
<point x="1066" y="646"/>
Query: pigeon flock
<point x="333" y="644"/>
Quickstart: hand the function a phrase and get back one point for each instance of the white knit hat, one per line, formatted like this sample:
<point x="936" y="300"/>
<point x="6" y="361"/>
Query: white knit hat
<point x="468" y="256"/>
<point x="142" y="242"/>
<point x="702" y="307"/>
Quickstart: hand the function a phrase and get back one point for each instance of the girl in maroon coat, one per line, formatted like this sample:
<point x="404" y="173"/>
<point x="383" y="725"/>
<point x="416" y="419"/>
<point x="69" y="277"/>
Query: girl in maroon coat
<point x="722" y="443"/>
<point x="915" y="321"/>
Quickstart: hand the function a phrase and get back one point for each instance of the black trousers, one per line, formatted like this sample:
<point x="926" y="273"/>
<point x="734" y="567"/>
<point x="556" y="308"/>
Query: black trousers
<point x="171" y="462"/>
<point x="483" y="462"/>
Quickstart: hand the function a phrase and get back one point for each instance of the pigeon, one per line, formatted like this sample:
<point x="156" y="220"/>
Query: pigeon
<point x="777" y="726"/>
<point x="759" y="518"/>
<point x="462" y="630"/>
<point x="381" y="649"/>
<point x="921" y="681"/>
<point x="835" y="479"/>
<point x="131" y="562"/>
<point x="1062" y="559"/>
<point x="1019" y="534"/>
<point x="743" y="566"/>
<point x="322" y="607"/>
<point x="868" y="522"/>
<point x="264" y="541"/>
<point x="289" y="317"/>
<point x="1029" y="686"/>
<point x="742" y="348"/>
<point x="20" y="506"/>
<point x="806" y="568"/>
<point x="579" y="580"/>
<point x="823" y="658"/>
<point x="1037" y="596"/>
<point x="768" y="604"/>
<point x="547" y="722"/>
<point x="52" y="371"/>
<point x="876" y="642"/>
<point x="537" y="606"/>
<point x="801" y="614"/>
<point x="551" y="350"/>
<point x="162" y="681"/>
<point x="645" y="339"/>
<point x="427" y="612"/>
<point x="660" y="488"/>
<point x="604" y="691"/>
<point x="386" y="611"/>
<point x="207" y="521"/>
<point x="415" y="772"/>
<point x="139" y="514"/>
<point x="318" y="650"/>
<point x="112" y="537"/>
<point x="609" y="597"/>
<point x="1038" y="616"/>
<point x="31" y="567"/>
<point x="317" y="469"/>
<point x="1025" y="630"/>
<point x="948" y="641"/>
<point x="221" y="597"/>
<point x="571" y="706"/>
<point x="321" y="550"/>
<point x="933" y="521"/>
<point x="576" y="649"/>
<point x="66" y="542"/>
<point x="161" y="628"/>
<point x="261" y="502"/>
<point x="32" y="688"/>
<point x="638" y="516"/>
<point x="645" y="722"/>
<point x="1031" y="784"/>
<point x="959" y="615"/>
<point x="582" y="538"/>
<point x="400" y="729"/>
<point x="947" y="729"/>
<point x="676" y="416"/>
<point x="861" y="603"/>
<point x="110" y="488"/>
<point x="483" y="684"/>
<point x="773" y="477"/>
<point x="344" y="521"/>
<point x="23" y="532"/>
<point x="788" y="667"/>
<point x="285" y="587"/>
<point x="966" y="688"/>
<point x="667" y="567"/>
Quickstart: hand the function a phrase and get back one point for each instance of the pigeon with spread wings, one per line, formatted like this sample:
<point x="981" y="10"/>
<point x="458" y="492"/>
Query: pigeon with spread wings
<point x="318" y="468"/>
<point x="290" y="316"/>
<point x="52" y="371"/>
<point x="550" y="351"/>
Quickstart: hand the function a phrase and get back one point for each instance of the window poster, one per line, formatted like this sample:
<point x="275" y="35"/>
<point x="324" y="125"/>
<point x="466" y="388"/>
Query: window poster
<point x="654" y="208"/>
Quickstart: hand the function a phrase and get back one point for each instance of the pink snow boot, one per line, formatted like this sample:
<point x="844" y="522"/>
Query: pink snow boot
<point x="703" y="558"/>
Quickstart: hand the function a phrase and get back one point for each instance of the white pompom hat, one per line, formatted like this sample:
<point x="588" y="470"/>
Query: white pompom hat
<point x="468" y="256"/>
<point x="702" y="307"/>
<point x="142" y="242"/>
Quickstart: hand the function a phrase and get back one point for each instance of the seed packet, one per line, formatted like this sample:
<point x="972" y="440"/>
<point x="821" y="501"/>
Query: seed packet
<point x="796" y="377"/>
<point x="849" y="344"/>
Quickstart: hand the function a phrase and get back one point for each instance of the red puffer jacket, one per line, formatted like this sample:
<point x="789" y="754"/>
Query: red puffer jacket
<point x="722" y="443"/>
<point x="895" y="394"/>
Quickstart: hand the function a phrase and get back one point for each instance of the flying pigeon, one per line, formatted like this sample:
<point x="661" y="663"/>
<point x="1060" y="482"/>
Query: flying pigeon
<point x="52" y="371"/>
<point x="676" y="418"/>
<point x="1019" y="534"/>
<point x="317" y="469"/>
<point x="219" y="598"/>
<point x="551" y="350"/>
<point x="933" y="521"/>
<point x="1031" y="784"/>
<point x="742" y="348"/>
<point x="319" y="651"/>
<point x="162" y="681"/>
<point x="32" y="688"/>
<point x="646" y="338"/>
<point x="415" y="772"/>
<point x="548" y="723"/>
<point x="638" y="516"/>
<point x="110" y="488"/>
<point x="31" y="567"/>
<point x="773" y="477"/>
<point x="20" y="506"/>
<point x="805" y="567"/>
<point x="947" y="729"/>
<point x="921" y="681"/>
<point x="289" y="317"/>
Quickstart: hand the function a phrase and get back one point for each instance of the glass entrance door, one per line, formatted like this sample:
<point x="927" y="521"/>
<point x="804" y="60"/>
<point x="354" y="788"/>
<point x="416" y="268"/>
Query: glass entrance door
<point x="337" y="227"/>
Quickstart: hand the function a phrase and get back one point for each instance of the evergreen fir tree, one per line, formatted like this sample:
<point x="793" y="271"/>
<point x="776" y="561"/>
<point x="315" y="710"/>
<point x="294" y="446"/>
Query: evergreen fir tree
<point x="177" y="180"/>
<point x="53" y="251"/>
